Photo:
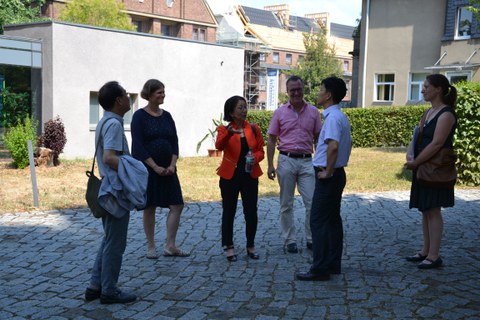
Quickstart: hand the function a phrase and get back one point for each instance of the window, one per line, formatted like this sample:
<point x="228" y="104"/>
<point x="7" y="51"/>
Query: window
<point x="138" y="25"/>
<point x="415" y="86"/>
<point x="262" y="82"/>
<point x="346" y="65"/>
<point x="165" y="30"/>
<point x="262" y="57"/>
<point x="463" y="23"/>
<point x="288" y="59"/>
<point x="96" y="111"/>
<point x="276" y="57"/>
<point x="300" y="59"/>
<point x="384" y="86"/>
<point x="198" y="34"/>
<point x="455" y="77"/>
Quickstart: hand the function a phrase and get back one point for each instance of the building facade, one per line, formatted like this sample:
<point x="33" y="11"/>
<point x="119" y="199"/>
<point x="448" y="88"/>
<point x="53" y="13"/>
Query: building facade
<point x="77" y="60"/>
<point x="185" y="19"/>
<point x="402" y="41"/>
<point x="283" y="34"/>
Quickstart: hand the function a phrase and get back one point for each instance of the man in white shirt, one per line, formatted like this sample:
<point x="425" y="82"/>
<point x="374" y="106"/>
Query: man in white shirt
<point x="331" y="156"/>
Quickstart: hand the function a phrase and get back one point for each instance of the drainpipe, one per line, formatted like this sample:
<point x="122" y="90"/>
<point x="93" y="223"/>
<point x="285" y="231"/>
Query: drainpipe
<point x="365" y="52"/>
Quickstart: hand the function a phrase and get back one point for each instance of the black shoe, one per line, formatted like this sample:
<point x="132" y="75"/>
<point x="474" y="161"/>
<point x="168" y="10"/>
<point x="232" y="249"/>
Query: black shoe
<point x="92" y="294"/>
<point x="253" y="255"/>
<point x="292" y="248"/>
<point x="232" y="258"/>
<point x="120" y="297"/>
<point x="417" y="257"/>
<point x="430" y="264"/>
<point x="309" y="276"/>
<point x="309" y="246"/>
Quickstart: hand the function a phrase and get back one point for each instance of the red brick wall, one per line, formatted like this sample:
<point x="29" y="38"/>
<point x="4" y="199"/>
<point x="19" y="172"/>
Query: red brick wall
<point x="192" y="10"/>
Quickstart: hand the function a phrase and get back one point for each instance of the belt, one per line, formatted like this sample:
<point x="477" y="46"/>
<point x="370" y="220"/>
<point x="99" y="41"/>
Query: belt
<point x="296" y="155"/>
<point x="317" y="169"/>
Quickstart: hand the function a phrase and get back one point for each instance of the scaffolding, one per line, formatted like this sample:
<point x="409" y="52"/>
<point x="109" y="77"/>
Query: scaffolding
<point x="255" y="77"/>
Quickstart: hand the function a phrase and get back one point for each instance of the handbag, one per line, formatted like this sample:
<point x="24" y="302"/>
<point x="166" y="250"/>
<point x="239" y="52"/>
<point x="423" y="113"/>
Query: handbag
<point x="93" y="187"/>
<point x="439" y="171"/>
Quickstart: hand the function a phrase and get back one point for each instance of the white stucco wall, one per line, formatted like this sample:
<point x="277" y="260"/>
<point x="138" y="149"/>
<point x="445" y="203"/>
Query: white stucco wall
<point x="198" y="78"/>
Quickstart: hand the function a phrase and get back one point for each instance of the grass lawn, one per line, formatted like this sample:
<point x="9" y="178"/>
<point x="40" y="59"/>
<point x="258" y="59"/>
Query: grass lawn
<point x="369" y="170"/>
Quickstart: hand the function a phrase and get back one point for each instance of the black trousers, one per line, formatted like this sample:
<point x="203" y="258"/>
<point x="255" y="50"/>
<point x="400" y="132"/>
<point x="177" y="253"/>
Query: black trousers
<point x="247" y="187"/>
<point x="326" y="223"/>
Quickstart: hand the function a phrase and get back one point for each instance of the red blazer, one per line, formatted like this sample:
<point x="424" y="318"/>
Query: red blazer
<point x="230" y="144"/>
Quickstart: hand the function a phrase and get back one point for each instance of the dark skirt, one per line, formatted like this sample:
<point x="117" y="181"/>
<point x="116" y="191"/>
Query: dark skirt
<point x="163" y="191"/>
<point x="425" y="198"/>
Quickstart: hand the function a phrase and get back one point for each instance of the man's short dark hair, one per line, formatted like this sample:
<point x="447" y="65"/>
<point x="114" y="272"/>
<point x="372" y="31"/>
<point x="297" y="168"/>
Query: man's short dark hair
<point x="108" y="93"/>
<point x="294" y="79"/>
<point x="230" y="105"/>
<point x="336" y="87"/>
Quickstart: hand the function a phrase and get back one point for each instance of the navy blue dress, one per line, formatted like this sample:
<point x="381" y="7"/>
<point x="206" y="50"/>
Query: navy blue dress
<point x="425" y="198"/>
<point x="156" y="137"/>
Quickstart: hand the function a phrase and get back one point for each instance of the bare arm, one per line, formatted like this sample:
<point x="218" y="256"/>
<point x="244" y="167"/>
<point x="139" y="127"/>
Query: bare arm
<point x="271" y="143"/>
<point x="110" y="158"/>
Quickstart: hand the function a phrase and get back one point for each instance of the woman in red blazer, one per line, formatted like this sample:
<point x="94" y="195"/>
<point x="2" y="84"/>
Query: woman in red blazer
<point x="235" y="140"/>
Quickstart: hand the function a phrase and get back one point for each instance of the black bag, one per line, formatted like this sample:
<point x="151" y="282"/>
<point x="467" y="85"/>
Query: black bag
<point x="93" y="186"/>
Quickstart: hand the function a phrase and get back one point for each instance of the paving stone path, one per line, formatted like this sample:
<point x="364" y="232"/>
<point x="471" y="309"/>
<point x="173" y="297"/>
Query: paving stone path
<point x="46" y="257"/>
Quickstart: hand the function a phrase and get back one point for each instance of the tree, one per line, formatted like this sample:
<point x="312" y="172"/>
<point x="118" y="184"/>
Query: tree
<point x="319" y="63"/>
<point x="100" y="13"/>
<point x="19" y="11"/>
<point x="474" y="7"/>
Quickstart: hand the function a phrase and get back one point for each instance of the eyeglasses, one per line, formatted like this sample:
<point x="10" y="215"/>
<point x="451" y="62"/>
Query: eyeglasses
<point x="296" y="90"/>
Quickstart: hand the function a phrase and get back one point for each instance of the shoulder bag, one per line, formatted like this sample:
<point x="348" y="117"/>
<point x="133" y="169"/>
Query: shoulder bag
<point x="439" y="171"/>
<point x="93" y="185"/>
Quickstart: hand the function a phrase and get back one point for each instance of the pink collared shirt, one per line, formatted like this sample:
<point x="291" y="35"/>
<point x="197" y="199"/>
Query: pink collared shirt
<point x="295" y="130"/>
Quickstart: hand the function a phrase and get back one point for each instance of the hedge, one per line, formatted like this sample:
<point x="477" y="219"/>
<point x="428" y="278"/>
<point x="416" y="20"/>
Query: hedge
<point x="371" y="127"/>
<point x="467" y="137"/>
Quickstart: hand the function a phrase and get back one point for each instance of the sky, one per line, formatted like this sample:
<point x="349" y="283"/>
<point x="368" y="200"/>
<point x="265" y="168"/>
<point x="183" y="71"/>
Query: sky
<point x="341" y="11"/>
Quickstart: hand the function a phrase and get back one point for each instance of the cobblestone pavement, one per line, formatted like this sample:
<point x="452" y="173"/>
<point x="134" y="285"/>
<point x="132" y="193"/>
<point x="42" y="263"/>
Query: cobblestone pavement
<point x="46" y="257"/>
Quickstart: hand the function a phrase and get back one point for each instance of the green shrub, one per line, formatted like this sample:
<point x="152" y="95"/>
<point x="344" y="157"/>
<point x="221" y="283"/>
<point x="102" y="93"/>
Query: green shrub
<point x="15" y="140"/>
<point x="262" y="118"/>
<point x="371" y="127"/>
<point x="467" y="137"/>
<point x="383" y="126"/>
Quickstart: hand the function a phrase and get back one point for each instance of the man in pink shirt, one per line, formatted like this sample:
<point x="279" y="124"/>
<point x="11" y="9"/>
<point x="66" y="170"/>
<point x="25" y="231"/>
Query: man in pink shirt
<point x="296" y="126"/>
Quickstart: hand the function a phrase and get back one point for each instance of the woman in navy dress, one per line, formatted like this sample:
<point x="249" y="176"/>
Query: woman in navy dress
<point x="155" y="142"/>
<point x="438" y="131"/>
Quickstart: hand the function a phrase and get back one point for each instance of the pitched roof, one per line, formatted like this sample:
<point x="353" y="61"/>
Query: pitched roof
<point x="303" y="24"/>
<point x="341" y="30"/>
<point x="262" y="17"/>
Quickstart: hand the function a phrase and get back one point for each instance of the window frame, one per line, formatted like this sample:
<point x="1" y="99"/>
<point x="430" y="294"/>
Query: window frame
<point x="94" y="106"/>
<point x="458" y="29"/>
<point x="378" y="83"/>
<point x="466" y="73"/>
<point x="277" y="55"/>
<point x="411" y="83"/>
<point x="288" y="58"/>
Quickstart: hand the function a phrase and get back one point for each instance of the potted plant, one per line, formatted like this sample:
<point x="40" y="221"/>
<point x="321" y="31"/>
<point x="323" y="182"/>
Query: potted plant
<point x="212" y="133"/>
